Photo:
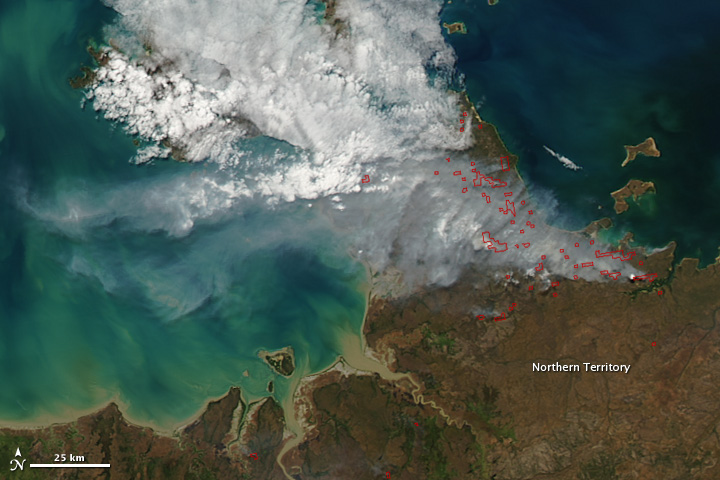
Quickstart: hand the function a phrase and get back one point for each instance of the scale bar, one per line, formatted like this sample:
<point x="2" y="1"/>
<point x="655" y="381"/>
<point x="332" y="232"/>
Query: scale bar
<point x="69" y="465"/>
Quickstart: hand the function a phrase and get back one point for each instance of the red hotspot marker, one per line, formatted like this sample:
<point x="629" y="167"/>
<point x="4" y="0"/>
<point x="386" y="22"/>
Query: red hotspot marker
<point x="654" y="344"/>
<point x="505" y="163"/>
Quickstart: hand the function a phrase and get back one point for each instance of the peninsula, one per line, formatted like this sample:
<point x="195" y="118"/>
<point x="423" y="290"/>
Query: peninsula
<point x="634" y="189"/>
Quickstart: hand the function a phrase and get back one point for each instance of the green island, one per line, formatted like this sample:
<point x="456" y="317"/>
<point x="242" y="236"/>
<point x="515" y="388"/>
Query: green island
<point x="474" y="410"/>
<point x="281" y="361"/>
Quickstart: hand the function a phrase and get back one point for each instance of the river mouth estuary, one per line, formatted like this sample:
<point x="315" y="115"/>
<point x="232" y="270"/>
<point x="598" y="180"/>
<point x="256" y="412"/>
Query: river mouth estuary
<point x="106" y="295"/>
<point x="348" y="239"/>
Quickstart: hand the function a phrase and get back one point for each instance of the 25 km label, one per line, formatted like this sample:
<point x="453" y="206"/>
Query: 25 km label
<point x="61" y="457"/>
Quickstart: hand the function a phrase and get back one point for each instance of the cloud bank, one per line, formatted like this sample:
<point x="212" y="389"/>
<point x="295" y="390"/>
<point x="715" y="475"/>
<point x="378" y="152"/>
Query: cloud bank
<point x="353" y="124"/>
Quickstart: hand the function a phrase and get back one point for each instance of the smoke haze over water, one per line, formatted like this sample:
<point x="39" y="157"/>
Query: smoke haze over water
<point x="373" y="101"/>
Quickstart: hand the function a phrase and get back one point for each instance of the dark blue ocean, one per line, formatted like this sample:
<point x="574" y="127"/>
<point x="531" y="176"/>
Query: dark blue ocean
<point x="586" y="78"/>
<point x="96" y="305"/>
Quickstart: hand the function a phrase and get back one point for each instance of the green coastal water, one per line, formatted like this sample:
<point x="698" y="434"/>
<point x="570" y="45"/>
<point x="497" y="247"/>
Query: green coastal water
<point x="107" y="292"/>
<point x="100" y="297"/>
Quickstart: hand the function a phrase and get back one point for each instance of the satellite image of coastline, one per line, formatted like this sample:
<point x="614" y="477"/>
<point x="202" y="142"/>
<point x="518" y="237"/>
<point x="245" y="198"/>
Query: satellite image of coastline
<point x="359" y="239"/>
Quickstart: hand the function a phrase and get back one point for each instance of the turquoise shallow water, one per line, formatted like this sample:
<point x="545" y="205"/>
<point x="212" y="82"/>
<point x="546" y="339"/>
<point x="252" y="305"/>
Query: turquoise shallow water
<point x="95" y="301"/>
<point x="100" y="296"/>
<point x="586" y="78"/>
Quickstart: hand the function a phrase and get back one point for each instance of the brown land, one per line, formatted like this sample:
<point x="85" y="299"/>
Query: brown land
<point x="597" y="225"/>
<point x="203" y="450"/>
<point x="634" y="189"/>
<point x="503" y="420"/>
<point x="457" y="27"/>
<point x="655" y="422"/>
<point x="480" y="412"/>
<point x="647" y="148"/>
<point x="88" y="75"/>
<point x="339" y="26"/>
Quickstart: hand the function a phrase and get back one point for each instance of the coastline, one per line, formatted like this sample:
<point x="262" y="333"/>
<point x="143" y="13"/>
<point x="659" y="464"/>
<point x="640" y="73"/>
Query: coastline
<point x="294" y="433"/>
<point x="633" y="189"/>
<point x="419" y="344"/>
<point x="358" y="356"/>
<point x="71" y="415"/>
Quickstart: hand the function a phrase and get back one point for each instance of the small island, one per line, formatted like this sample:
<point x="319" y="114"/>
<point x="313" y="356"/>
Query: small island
<point x="647" y="148"/>
<point x="457" y="27"/>
<point x="281" y="361"/>
<point x="634" y="189"/>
